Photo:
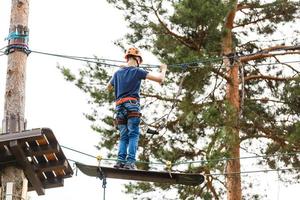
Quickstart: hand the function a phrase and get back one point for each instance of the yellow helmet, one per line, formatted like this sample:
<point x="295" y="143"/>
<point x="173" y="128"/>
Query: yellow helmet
<point x="132" y="51"/>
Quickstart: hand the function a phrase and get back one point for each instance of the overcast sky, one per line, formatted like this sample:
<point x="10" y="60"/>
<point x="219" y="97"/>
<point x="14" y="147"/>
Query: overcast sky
<point x="83" y="28"/>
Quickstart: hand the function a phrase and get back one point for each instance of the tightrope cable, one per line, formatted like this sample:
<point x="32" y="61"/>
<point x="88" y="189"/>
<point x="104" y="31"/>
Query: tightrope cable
<point x="196" y="161"/>
<point x="182" y="65"/>
<point x="252" y="171"/>
<point x="192" y="64"/>
<point x="75" y="58"/>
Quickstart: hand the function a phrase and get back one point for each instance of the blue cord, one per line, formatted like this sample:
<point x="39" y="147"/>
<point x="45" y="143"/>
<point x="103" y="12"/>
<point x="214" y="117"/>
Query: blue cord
<point x="16" y="35"/>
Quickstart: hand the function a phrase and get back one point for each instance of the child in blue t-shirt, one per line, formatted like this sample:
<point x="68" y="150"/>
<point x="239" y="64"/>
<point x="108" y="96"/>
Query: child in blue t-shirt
<point x="127" y="83"/>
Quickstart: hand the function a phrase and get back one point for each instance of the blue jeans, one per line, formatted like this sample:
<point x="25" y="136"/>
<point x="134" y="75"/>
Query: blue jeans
<point x="129" y="131"/>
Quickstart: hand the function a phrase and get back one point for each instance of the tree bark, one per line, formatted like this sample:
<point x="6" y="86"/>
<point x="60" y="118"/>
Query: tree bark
<point x="14" y="107"/>
<point x="233" y="178"/>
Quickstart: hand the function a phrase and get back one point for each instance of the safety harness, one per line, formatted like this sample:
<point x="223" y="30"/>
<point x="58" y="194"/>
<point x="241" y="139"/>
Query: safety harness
<point x="130" y="114"/>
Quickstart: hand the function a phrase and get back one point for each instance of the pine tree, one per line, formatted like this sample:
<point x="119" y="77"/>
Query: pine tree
<point x="234" y="89"/>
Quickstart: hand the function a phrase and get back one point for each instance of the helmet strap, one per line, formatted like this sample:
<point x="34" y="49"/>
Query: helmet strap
<point x="137" y="61"/>
<point x="134" y="58"/>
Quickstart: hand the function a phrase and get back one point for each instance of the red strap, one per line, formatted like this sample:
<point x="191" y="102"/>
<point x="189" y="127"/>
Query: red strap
<point x="119" y="121"/>
<point x="134" y="114"/>
<point x="123" y="100"/>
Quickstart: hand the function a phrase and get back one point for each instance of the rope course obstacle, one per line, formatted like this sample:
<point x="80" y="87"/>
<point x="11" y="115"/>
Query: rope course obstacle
<point x="41" y="157"/>
<point x="140" y="175"/>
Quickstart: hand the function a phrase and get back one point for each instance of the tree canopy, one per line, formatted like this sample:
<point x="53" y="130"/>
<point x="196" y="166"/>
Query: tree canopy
<point x="215" y="49"/>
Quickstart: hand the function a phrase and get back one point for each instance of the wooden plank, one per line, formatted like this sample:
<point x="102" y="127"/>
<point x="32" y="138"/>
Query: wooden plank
<point x="50" y="156"/>
<point x="141" y="175"/>
<point x="27" y="167"/>
<point x="53" y="183"/>
<point x="41" y="150"/>
<point x="41" y="160"/>
<point x="51" y="166"/>
<point x="60" y="155"/>
<point x="20" y="135"/>
<point x="3" y="152"/>
<point x="48" y="134"/>
<point x="48" y="139"/>
<point x="48" y="165"/>
<point x="50" y="183"/>
<point x="7" y="160"/>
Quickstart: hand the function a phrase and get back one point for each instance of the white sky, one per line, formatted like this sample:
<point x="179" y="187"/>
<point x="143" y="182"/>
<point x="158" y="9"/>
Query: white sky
<point x="83" y="28"/>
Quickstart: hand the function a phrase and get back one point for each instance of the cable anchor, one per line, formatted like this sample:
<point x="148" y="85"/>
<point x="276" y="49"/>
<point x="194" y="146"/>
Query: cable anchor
<point x="18" y="40"/>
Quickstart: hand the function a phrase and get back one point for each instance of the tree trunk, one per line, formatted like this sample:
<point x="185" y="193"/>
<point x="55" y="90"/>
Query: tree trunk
<point x="233" y="178"/>
<point x="14" y="107"/>
<point x="233" y="182"/>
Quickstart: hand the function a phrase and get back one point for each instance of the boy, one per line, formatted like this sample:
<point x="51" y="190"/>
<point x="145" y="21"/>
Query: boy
<point x="127" y="83"/>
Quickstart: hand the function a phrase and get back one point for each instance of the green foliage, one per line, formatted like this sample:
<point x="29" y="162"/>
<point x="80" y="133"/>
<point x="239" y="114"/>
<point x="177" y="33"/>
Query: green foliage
<point x="291" y="96"/>
<point x="142" y="187"/>
<point x="213" y="115"/>
<point x="67" y="74"/>
<point x="294" y="133"/>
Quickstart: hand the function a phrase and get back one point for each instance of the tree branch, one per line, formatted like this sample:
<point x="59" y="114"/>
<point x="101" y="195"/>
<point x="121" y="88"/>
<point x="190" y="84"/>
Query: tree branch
<point x="219" y="73"/>
<point x="265" y="53"/>
<point x="266" y="100"/>
<point x="252" y="22"/>
<point x="269" y="133"/>
<point x="254" y="77"/>
<point x="210" y="185"/>
<point x="240" y="7"/>
<point x="159" y="97"/>
<point x="181" y="39"/>
<point x="243" y="6"/>
<point x="266" y="134"/>
<point x="292" y="68"/>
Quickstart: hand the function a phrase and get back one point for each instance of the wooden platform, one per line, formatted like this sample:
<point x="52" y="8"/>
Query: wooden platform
<point x="141" y="175"/>
<point x="39" y="154"/>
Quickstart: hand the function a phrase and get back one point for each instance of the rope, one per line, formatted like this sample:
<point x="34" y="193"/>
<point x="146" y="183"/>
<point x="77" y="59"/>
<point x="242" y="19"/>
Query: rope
<point x="238" y="158"/>
<point x="252" y="171"/>
<point x="193" y="64"/>
<point x="87" y="59"/>
<point x="75" y="58"/>
<point x="80" y="152"/>
<point x="2" y="49"/>
<point x="166" y="116"/>
<point x="241" y="172"/>
<point x="16" y="35"/>
<point x="278" y="185"/>
<point x="190" y="162"/>
<point x="169" y="164"/>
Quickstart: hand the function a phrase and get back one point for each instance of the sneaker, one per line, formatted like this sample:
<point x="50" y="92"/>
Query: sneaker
<point x="119" y="165"/>
<point x="130" y="166"/>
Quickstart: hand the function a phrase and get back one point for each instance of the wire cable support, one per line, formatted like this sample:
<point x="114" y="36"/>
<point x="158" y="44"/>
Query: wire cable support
<point x="192" y="162"/>
<point x="180" y="65"/>
<point x="252" y="171"/>
<point x="94" y="60"/>
<point x="192" y="64"/>
<point x="84" y="59"/>
<point x="235" y="173"/>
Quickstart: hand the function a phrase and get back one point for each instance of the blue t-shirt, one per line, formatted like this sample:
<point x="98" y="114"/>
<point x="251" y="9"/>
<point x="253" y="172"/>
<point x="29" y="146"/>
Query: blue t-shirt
<point x="127" y="82"/>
